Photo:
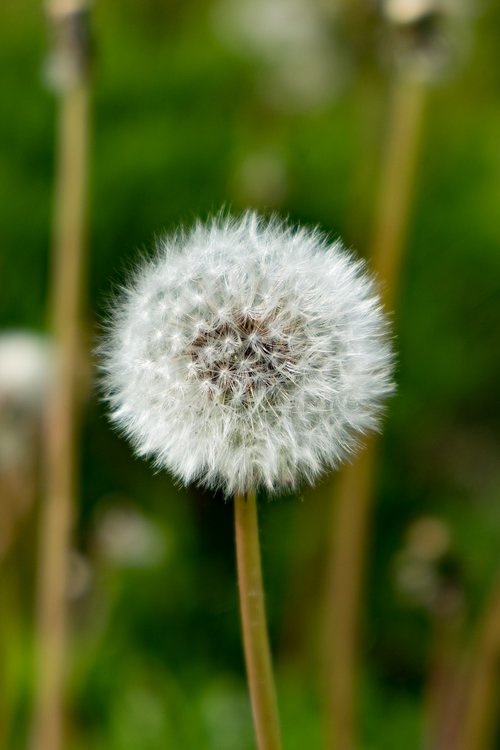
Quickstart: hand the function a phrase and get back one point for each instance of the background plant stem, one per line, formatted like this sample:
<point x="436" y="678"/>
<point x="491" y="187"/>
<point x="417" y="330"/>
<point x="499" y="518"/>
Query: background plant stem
<point x="253" y="619"/>
<point x="480" y="706"/>
<point x="355" y="488"/>
<point x="61" y="479"/>
<point x="446" y="685"/>
<point x="397" y="183"/>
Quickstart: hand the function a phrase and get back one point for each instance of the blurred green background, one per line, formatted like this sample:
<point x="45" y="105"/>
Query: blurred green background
<point x="196" y="105"/>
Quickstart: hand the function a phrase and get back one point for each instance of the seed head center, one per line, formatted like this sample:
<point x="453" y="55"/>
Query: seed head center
<point x="237" y="358"/>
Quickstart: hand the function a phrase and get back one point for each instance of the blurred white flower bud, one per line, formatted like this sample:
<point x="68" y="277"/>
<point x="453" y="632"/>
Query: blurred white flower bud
<point x="25" y="374"/>
<point x="428" y="538"/>
<point x="293" y="41"/>
<point x="126" y="537"/>
<point x="425" y="37"/>
<point x="69" y="57"/>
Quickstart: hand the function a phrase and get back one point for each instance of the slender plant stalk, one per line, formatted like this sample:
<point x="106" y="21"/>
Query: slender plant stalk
<point x="446" y="685"/>
<point x="17" y="492"/>
<point x="11" y="645"/>
<point x="397" y="184"/>
<point x="62" y="469"/>
<point x="253" y="620"/>
<point x="345" y="577"/>
<point x="356" y="484"/>
<point x="480" y="707"/>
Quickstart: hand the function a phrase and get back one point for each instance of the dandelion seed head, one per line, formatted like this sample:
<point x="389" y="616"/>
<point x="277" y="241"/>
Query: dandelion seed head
<point x="274" y="358"/>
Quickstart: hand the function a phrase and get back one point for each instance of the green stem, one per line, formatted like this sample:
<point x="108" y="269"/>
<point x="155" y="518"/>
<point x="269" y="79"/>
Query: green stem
<point x="344" y="585"/>
<point x="61" y="444"/>
<point x="397" y="183"/>
<point x="480" y="712"/>
<point x="356" y="486"/>
<point x="253" y="620"/>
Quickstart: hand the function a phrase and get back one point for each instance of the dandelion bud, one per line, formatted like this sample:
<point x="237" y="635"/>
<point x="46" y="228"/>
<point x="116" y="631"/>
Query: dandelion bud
<point x="69" y="59"/>
<point x="248" y="354"/>
<point x="425" y="37"/>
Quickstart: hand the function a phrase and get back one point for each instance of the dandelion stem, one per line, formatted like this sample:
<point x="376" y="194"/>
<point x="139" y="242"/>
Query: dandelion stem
<point x="61" y="447"/>
<point x="253" y="619"/>
<point x="356" y="486"/>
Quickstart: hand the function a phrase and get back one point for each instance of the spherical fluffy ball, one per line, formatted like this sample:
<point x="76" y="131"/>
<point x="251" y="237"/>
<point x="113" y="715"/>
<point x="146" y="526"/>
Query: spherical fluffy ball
<point x="248" y="354"/>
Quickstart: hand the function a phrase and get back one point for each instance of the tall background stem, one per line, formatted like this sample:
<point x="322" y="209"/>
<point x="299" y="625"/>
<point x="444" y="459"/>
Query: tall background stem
<point x="62" y="448"/>
<point x="355" y="489"/>
<point x="254" y="626"/>
<point x="481" y="701"/>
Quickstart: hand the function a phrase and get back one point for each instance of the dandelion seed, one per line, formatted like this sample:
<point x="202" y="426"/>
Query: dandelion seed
<point x="283" y="368"/>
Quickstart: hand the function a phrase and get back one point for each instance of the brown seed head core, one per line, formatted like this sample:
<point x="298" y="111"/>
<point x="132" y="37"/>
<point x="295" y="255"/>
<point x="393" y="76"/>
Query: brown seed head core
<point x="242" y="356"/>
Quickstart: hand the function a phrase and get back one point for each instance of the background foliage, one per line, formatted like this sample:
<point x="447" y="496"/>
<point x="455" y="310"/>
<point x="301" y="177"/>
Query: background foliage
<point x="182" y="124"/>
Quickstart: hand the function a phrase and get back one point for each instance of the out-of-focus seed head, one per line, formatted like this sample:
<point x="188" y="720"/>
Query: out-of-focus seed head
<point x="126" y="537"/>
<point x="26" y="370"/>
<point x="301" y="64"/>
<point x="425" y="37"/>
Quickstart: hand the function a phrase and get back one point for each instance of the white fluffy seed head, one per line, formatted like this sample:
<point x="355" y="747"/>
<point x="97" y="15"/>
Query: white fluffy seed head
<point x="248" y="354"/>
